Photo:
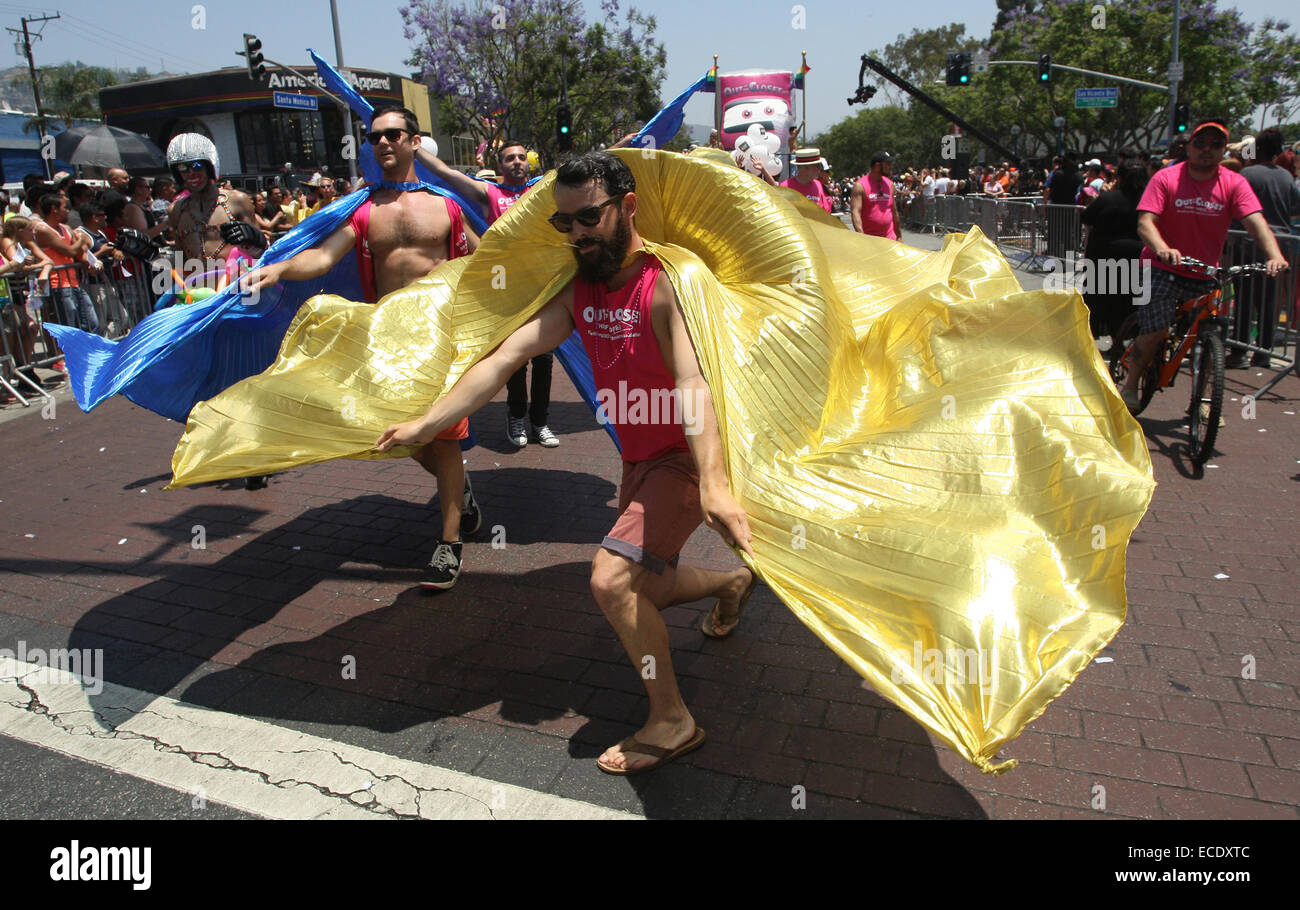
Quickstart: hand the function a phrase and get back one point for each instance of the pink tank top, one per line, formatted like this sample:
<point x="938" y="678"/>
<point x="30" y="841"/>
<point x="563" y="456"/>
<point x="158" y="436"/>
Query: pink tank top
<point x="633" y="384"/>
<point x="878" y="206"/>
<point x="502" y="197"/>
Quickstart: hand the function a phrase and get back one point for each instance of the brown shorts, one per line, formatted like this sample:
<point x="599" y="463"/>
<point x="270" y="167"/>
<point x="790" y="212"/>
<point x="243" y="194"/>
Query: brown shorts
<point x="659" y="509"/>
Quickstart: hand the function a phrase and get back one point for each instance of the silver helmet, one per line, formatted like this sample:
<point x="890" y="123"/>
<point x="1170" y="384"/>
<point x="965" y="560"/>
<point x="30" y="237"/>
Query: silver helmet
<point x="191" y="147"/>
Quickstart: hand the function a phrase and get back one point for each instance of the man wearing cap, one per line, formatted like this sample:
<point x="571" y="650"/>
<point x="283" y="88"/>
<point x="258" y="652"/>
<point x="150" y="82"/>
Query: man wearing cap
<point x="1186" y="210"/>
<point x="872" y="203"/>
<point x="812" y="167"/>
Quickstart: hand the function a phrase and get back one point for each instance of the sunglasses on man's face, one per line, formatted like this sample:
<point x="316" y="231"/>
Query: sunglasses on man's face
<point x="589" y="217"/>
<point x="1209" y="143"/>
<point x="392" y="134"/>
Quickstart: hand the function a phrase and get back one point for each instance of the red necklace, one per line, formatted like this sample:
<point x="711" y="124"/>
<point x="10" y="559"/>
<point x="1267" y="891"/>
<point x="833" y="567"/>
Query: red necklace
<point x="627" y="333"/>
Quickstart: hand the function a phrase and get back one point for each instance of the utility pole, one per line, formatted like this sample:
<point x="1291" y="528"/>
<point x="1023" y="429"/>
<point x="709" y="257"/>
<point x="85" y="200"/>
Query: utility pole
<point x="347" y="111"/>
<point x="36" y="88"/>
<point x="1175" y="72"/>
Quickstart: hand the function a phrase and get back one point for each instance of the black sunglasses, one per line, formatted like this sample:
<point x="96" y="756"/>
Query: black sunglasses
<point x="193" y="165"/>
<point x="392" y="134"/>
<point x="590" y="216"/>
<point x="1216" y="144"/>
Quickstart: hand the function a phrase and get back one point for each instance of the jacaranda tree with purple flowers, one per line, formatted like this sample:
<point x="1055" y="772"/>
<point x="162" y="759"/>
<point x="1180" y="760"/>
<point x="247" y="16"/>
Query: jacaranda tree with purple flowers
<point x="500" y="68"/>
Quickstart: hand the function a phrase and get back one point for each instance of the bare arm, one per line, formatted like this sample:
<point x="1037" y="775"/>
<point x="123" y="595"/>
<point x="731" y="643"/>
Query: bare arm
<point x="721" y="511"/>
<point x="133" y="217"/>
<point x="544" y="332"/>
<point x="310" y="263"/>
<point x="1262" y="234"/>
<point x="473" y="190"/>
<point x="856" y="197"/>
<point x="48" y="237"/>
<point x="1149" y="234"/>
<point x="762" y="171"/>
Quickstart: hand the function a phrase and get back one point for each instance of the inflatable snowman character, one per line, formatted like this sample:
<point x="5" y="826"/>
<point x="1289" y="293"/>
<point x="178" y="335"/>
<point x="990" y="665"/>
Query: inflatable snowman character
<point x="758" y="141"/>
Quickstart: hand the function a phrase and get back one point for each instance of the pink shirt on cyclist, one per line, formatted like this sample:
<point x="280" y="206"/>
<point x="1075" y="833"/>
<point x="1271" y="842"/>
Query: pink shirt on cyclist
<point x="1194" y="214"/>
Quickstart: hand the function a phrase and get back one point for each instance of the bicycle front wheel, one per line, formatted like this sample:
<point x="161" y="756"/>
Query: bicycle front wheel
<point x="1206" y="405"/>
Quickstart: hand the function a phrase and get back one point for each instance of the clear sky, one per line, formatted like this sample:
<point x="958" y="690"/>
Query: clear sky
<point x="749" y="34"/>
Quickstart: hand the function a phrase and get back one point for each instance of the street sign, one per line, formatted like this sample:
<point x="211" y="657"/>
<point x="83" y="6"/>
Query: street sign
<point x="1096" y="97"/>
<point x="1176" y="71"/>
<point x="980" y="62"/>
<point x="295" y="101"/>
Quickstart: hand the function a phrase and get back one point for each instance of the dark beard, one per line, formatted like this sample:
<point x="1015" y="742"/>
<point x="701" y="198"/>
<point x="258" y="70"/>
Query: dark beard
<point x="605" y="262"/>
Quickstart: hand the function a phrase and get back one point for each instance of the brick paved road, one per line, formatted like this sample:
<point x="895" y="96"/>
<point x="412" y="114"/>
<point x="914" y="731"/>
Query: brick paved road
<point x="514" y="676"/>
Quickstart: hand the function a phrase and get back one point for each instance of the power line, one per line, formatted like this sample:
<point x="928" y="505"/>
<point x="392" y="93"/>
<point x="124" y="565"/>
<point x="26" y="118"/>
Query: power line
<point x="150" y="49"/>
<point x="93" y="34"/>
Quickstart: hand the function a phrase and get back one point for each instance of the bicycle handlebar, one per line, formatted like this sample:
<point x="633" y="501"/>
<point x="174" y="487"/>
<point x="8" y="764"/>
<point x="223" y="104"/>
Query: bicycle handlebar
<point x="1219" y="272"/>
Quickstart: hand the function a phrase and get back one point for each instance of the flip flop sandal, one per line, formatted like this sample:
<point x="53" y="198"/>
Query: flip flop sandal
<point x="663" y="756"/>
<point x="707" y="626"/>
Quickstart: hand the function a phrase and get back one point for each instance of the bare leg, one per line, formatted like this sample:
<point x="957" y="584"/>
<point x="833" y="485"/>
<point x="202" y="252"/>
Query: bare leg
<point x="631" y="597"/>
<point x="1146" y="347"/>
<point x="442" y="459"/>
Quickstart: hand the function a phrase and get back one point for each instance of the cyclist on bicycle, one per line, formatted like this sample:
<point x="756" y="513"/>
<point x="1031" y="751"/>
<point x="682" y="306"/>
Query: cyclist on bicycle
<point x="1185" y="211"/>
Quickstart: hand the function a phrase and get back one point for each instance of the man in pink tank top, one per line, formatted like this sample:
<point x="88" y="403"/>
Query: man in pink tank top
<point x="523" y="420"/>
<point x="651" y="388"/>
<point x="403" y="235"/>
<point x="872" y="201"/>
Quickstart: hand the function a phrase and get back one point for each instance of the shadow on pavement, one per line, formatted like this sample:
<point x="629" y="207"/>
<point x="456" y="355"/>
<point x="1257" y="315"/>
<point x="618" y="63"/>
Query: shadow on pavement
<point x="511" y="675"/>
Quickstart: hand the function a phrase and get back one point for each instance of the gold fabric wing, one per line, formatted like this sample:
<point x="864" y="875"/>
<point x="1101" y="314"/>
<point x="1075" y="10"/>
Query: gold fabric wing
<point x="940" y="478"/>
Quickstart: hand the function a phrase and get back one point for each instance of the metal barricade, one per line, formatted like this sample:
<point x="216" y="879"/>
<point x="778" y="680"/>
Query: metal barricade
<point x="1018" y="230"/>
<point x="1063" y="230"/>
<point x="1263" y="311"/>
<point x="20" y="343"/>
<point x="131" y="283"/>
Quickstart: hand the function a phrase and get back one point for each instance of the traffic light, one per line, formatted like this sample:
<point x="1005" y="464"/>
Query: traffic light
<point x="253" y="57"/>
<point x="958" y="71"/>
<point x="563" y="129"/>
<point x="1044" y="68"/>
<point x="1182" y="114"/>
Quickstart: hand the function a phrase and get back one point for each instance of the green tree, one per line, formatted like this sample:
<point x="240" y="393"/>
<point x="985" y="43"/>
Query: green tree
<point x="1231" y="68"/>
<point x="1274" y="81"/>
<point x="501" y="69"/>
<point x="69" y="92"/>
<point x="922" y="57"/>
<point x="849" y="144"/>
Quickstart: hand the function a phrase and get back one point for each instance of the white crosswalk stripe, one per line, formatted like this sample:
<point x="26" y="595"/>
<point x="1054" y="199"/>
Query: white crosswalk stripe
<point x="249" y="764"/>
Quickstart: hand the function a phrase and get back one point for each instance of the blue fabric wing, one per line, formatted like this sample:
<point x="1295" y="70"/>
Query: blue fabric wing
<point x="663" y="126"/>
<point x="187" y="353"/>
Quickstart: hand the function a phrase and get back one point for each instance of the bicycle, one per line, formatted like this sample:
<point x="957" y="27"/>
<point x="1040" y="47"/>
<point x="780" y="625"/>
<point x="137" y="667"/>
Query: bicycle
<point x="1198" y="327"/>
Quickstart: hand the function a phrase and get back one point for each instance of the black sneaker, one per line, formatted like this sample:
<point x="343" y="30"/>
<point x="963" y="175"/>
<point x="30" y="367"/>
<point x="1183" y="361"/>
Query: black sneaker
<point x="257" y="482"/>
<point x="471" y="519"/>
<point x="444" y="568"/>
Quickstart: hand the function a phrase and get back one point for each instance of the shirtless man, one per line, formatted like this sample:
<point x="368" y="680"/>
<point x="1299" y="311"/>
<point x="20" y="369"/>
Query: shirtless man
<point x="672" y="480"/>
<point x="403" y="236"/>
<point x="208" y="221"/>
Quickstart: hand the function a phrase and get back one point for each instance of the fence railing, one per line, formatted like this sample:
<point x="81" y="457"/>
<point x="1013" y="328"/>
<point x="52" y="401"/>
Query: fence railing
<point x="108" y="301"/>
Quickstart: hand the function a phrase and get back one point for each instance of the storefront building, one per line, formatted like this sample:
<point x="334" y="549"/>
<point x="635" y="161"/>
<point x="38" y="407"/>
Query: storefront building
<point x="259" y="126"/>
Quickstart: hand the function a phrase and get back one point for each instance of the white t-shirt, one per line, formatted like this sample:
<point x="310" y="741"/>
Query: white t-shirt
<point x="927" y="187"/>
<point x="941" y="186"/>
